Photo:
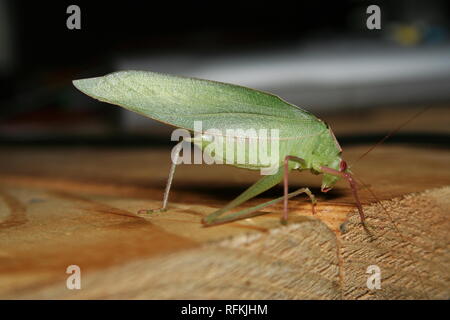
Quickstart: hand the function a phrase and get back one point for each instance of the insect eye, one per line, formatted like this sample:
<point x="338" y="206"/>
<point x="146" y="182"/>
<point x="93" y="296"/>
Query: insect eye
<point x="342" y="165"/>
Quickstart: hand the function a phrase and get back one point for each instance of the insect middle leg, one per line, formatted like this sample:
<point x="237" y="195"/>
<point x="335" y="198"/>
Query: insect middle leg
<point x="286" y="187"/>
<point x="175" y="157"/>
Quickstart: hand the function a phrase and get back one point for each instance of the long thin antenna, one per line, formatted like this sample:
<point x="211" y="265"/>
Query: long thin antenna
<point x="391" y="133"/>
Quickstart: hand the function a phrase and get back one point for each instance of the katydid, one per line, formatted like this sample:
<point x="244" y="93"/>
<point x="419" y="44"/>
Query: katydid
<point x="304" y="141"/>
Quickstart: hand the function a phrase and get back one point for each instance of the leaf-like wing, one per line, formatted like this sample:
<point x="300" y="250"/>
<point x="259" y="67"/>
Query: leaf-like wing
<point x="180" y="101"/>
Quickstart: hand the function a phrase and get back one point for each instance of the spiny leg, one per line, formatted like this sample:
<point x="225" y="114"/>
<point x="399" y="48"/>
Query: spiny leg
<point x="260" y="186"/>
<point x="263" y="184"/>
<point x="353" y="188"/>
<point x="286" y="187"/>
<point x="253" y="211"/>
<point x="352" y="184"/>
<point x="176" y="156"/>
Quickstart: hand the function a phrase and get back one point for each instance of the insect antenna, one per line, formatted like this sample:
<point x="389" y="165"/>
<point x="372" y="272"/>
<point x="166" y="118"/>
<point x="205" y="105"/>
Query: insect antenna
<point x="391" y="133"/>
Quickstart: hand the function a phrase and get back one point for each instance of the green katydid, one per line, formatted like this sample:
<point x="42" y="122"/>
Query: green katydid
<point x="305" y="142"/>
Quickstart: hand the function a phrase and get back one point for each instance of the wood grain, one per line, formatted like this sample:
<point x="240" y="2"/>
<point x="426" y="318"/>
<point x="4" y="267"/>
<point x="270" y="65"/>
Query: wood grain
<point x="60" y="207"/>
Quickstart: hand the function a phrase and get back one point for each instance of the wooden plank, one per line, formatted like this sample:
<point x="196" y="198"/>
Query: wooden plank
<point x="77" y="207"/>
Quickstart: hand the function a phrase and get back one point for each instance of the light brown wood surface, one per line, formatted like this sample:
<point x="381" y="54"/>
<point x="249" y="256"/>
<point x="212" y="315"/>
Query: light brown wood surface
<point x="76" y="206"/>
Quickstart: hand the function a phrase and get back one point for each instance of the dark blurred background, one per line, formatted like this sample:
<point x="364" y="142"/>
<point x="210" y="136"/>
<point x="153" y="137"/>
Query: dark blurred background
<point x="319" y="55"/>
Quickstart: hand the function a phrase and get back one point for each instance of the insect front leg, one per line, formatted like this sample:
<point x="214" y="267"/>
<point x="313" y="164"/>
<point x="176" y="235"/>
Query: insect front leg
<point x="286" y="186"/>
<point x="352" y="184"/>
<point x="176" y="156"/>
